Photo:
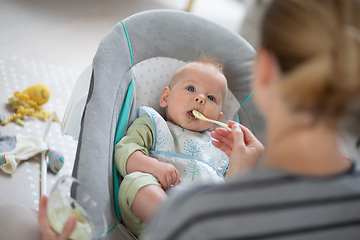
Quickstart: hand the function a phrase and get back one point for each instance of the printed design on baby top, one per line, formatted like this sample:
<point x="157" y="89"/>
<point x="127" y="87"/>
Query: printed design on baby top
<point x="193" y="147"/>
<point x="218" y="161"/>
<point x="175" y="137"/>
<point x="162" y="140"/>
<point x="192" y="169"/>
<point x="190" y="152"/>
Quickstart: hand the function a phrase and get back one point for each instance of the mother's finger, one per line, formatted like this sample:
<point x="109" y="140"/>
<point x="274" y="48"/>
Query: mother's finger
<point x="238" y="135"/>
<point x="248" y="135"/>
<point x="68" y="227"/>
<point x="231" y="123"/>
<point x="42" y="216"/>
<point x="223" y="147"/>
<point x="228" y="139"/>
<point x="46" y="230"/>
<point x="223" y="132"/>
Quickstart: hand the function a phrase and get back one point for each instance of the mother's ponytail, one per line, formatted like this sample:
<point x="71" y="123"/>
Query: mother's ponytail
<point x="318" y="51"/>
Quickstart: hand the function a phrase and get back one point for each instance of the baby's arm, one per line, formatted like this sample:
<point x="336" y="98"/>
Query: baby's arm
<point x="131" y="154"/>
<point x="166" y="173"/>
<point x="240" y="145"/>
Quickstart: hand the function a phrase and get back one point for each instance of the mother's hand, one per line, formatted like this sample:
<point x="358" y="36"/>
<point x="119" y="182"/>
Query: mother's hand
<point x="46" y="230"/>
<point x="240" y="145"/>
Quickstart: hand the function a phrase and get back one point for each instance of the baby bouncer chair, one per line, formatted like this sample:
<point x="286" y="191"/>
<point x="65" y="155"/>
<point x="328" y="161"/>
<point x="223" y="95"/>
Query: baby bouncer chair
<point x="133" y="63"/>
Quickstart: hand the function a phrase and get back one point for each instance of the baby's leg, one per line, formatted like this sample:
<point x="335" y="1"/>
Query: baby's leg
<point x="147" y="201"/>
<point x="133" y="184"/>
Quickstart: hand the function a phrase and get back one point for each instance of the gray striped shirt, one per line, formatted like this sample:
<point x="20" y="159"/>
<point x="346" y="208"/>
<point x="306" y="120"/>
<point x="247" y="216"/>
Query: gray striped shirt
<point x="264" y="204"/>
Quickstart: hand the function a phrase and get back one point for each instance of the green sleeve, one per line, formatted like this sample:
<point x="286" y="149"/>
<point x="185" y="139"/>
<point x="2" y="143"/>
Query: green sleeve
<point x="139" y="136"/>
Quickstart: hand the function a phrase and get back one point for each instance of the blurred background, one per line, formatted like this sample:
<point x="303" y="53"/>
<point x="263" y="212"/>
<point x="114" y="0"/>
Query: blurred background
<point x="51" y="42"/>
<point x="67" y="32"/>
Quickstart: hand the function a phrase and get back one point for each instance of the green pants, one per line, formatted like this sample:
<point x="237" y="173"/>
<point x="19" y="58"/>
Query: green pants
<point x="129" y="187"/>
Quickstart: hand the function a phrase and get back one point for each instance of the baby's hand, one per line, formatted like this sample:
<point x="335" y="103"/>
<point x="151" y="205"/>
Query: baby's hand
<point x="240" y="145"/>
<point x="166" y="173"/>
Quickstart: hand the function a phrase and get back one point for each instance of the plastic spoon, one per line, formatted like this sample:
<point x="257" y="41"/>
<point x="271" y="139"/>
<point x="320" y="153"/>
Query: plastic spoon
<point x="201" y="117"/>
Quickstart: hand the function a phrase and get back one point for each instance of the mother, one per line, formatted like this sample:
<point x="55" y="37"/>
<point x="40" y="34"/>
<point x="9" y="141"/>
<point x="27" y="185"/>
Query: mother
<point x="307" y="75"/>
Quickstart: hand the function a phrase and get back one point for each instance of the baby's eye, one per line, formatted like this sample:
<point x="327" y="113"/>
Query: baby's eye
<point x="212" y="98"/>
<point x="191" y="89"/>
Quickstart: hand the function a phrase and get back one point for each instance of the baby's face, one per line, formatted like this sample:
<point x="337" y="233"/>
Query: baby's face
<point x="197" y="86"/>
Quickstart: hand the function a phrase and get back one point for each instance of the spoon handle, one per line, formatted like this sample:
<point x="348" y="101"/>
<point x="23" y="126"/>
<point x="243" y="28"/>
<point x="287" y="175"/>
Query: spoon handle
<point x="198" y="115"/>
<point x="223" y="125"/>
<point x="218" y="123"/>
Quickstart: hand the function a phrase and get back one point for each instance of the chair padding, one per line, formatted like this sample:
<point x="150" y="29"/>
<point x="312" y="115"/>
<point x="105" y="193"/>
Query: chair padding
<point x="159" y="33"/>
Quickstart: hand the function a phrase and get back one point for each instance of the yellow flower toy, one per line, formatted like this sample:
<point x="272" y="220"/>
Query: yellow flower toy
<point x="28" y="103"/>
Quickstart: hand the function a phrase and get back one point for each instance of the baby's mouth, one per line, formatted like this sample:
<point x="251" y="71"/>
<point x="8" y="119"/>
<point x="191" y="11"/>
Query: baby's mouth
<point x="190" y="115"/>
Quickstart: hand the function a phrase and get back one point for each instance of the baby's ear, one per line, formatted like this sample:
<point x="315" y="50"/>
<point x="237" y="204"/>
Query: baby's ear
<point x="221" y="114"/>
<point x="164" y="97"/>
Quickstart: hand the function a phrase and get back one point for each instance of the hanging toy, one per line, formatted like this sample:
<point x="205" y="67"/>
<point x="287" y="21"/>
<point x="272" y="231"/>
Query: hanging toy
<point x="28" y="103"/>
<point x="56" y="160"/>
<point x="14" y="149"/>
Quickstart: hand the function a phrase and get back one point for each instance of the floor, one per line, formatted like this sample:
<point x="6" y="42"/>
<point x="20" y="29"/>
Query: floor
<point x="51" y="42"/>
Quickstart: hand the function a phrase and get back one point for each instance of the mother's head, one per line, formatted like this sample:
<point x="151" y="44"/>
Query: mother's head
<point x="310" y="50"/>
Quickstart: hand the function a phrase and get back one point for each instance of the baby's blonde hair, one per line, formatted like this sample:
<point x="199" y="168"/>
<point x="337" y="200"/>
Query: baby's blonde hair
<point x="318" y="51"/>
<point x="213" y="61"/>
<point x="204" y="59"/>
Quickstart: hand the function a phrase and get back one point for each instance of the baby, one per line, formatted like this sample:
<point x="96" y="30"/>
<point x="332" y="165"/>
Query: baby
<point x="156" y="155"/>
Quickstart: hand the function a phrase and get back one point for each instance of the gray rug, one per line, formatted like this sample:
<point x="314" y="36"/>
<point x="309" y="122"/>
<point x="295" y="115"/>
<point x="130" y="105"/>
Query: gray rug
<point x="16" y="74"/>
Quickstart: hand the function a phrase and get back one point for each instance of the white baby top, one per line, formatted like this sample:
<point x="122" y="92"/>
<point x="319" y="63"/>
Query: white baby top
<point x="192" y="153"/>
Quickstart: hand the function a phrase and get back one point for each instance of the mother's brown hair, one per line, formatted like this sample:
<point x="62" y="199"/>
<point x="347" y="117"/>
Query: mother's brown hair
<point x="317" y="46"/>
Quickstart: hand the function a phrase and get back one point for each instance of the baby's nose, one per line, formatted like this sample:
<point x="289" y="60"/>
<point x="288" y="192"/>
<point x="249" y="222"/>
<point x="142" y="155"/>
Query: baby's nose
<point x="199" y="99"/>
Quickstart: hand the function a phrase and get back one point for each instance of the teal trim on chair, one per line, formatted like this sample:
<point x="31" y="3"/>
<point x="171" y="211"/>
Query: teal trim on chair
<point x="248" y="97"/>
<point x="120" y="132"/>
<point x="128" y="40"/>
<point x="121" y="129"/>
